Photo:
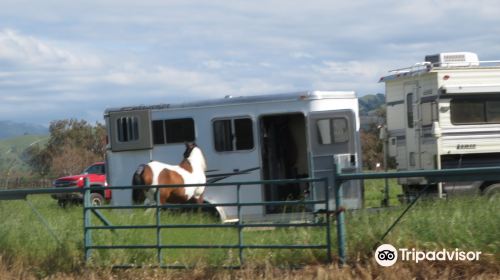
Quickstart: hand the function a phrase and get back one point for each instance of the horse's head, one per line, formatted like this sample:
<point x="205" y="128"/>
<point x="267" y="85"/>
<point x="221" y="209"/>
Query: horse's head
<point x="189" y="148"/>
<point x="195" y="156"/>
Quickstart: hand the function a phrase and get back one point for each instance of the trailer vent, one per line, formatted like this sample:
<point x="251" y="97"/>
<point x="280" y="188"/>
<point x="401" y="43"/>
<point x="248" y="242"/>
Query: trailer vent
<point x="453" y="59"/>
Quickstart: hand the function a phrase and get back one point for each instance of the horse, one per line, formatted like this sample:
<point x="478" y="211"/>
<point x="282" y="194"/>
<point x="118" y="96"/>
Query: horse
<point x="191" y="170"/>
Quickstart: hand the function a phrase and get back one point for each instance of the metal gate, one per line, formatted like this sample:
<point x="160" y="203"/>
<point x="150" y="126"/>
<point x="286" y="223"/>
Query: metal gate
<point x="239" y="225"/>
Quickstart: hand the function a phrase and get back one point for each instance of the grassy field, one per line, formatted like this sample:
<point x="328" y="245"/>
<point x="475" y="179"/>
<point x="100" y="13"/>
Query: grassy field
<point x="13" y="148"/>
<point x="465" y="223"/>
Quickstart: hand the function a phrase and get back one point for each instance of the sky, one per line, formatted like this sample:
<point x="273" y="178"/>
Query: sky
<point x="74" y="59"/>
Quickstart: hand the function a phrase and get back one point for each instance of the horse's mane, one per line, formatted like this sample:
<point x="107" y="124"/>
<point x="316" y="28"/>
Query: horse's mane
<point x="197" y="159"/>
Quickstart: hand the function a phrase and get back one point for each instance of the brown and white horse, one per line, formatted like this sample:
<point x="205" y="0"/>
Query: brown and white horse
<point x="190" y="171"/>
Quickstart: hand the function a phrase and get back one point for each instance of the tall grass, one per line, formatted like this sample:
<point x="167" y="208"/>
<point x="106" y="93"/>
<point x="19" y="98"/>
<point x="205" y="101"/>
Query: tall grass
<point x="375" y="192"/>
<point x="464" y="223"/>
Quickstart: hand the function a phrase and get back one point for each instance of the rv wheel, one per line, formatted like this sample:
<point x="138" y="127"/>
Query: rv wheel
<point x="493" y="191"/>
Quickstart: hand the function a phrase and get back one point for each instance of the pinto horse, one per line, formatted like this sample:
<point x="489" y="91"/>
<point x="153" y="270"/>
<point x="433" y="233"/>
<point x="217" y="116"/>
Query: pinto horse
<point x="190" y="171"/>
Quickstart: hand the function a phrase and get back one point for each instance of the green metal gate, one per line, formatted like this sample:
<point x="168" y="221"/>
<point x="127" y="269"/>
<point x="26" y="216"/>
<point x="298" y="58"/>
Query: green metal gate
<point x="324" y="223"/>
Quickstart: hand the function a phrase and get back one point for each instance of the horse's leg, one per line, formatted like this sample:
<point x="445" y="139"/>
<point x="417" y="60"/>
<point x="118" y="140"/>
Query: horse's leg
<point x="200" y="199"/>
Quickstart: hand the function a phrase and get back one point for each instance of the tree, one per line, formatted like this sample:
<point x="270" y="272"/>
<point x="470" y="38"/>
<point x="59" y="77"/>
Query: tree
<point x="72" y="145"/>
<point x="372" y="146"/>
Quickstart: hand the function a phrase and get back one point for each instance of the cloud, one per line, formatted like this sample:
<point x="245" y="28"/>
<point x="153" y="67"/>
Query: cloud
<point x="75" y="60"/>
<point x="27" y="51"/>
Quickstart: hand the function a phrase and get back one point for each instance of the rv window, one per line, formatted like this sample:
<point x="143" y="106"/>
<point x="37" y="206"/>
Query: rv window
<point x="173" y="131"/>
<point x="128" y="129"/>
<point x="409" y="109"/>
<point x="233" y="134"/>
<point x="493" y="111"/>
<point x="429" y="113"/>
<point x="413" y="161"/>
<point x="474" y="111"/>
<point x="333" y="131"/>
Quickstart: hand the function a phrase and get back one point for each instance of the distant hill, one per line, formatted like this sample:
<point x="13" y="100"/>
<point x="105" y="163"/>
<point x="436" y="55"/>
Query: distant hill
<point x="12" y="149"/>
<point x="9" y="129"/>
<point x="368" y="104"/>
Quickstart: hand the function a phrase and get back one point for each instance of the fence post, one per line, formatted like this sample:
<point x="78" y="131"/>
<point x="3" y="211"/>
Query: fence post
<point x="328" y="226"/>
<point x="240" y="228"/>
<point x="339" y="211"/>
<point x="87" y="235"/>
<point x="158" y="228"/>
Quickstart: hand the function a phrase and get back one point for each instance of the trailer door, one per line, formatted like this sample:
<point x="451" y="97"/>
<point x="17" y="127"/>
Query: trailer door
<point x="333" y="138"/>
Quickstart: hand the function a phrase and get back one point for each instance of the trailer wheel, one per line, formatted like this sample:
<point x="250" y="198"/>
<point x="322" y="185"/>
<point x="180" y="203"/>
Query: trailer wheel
<point x="96" y="199"/>
<point x="492" y="191"/>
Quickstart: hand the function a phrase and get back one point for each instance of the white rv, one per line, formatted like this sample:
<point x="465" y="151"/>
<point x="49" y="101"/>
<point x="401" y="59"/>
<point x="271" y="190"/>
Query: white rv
<point x="444" y="113"/>
<point x="279" y="136"/>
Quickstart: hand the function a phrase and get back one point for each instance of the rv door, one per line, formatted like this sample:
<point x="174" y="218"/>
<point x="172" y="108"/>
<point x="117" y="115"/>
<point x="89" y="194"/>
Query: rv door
<point x="333" y="140"/>
<point x="412" y="140"/>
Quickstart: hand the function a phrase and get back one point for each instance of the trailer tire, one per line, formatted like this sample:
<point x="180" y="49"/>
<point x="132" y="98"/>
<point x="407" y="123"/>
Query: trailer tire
<point x="96" y="199"/>
<point x="492" y="191"/>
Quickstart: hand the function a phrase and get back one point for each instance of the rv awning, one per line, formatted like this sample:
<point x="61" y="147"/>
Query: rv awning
<point x="457" y="89"/>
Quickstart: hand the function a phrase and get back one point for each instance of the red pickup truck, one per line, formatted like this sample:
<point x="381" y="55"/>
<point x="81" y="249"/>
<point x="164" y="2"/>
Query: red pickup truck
<point x="96" y="173"/>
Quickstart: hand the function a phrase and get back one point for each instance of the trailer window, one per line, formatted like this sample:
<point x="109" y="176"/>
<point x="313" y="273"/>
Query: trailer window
<point x="158" y="132"/>
<point x="179" y="130"/>
<point x="474" y="111"/>
<point x="128" y="129"/>
<point x="173" y="131"/>
<point x="233" y="134"/>
<point x="244" y="134"/>
<point x="334" y="130"/>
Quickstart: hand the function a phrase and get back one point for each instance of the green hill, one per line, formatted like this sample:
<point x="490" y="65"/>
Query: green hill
<point x="370" y="103"/>
<point x="11" y="152"/>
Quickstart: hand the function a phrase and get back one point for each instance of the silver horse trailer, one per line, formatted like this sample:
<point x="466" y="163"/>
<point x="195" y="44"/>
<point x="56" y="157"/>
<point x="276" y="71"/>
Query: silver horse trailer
<point x="251" y="138"/>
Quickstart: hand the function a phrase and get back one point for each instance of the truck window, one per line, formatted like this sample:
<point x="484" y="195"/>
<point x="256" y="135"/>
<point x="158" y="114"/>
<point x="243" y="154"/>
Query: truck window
<point x="233" y="134"/>
<point x="95" y="169"/>
<point x="465" y="111"/>
<point x="173" y="131"/>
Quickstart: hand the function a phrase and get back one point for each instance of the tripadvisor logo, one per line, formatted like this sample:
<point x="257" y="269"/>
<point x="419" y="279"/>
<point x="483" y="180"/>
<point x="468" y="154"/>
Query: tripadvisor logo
<point x="387" y="255"/>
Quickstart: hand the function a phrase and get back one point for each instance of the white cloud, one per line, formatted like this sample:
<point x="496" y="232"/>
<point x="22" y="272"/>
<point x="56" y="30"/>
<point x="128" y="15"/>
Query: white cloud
<point x="76" y="59"/>
<point x="301" y="55"/>
<point x="27" y="51"/>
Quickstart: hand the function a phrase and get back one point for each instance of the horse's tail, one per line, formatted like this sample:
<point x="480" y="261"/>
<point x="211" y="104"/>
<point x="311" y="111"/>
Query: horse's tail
<point x="138" y="195"/>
